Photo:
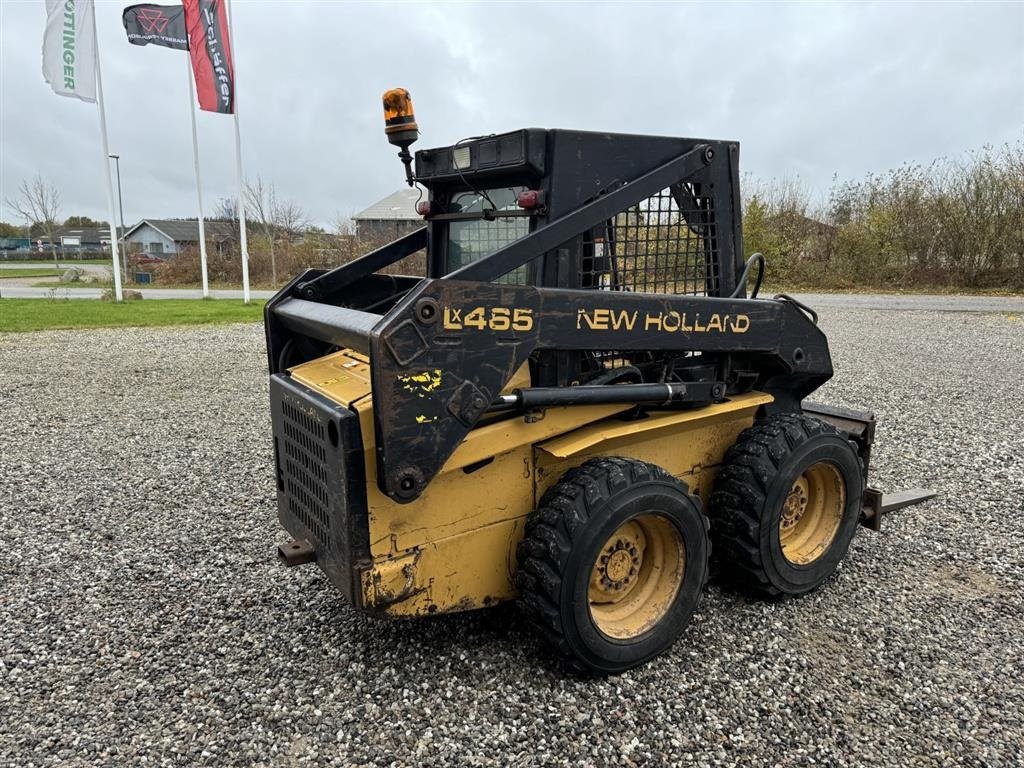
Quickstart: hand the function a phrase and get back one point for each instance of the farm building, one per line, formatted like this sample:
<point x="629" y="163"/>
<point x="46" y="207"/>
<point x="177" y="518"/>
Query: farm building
<point x="391" y="217"/>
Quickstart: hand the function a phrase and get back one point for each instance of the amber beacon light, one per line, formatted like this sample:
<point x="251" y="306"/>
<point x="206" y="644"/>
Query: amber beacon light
<point x="400" y="125"/>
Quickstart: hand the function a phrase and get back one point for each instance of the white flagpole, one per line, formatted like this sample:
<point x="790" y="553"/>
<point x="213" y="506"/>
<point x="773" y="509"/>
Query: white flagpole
<point x="106" y="165"/>
<point x="199" y="183"/>
<point x="238" y="159"/>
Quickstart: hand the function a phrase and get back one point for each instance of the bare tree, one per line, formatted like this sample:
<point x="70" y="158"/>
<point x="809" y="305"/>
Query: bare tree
<point x="38" y="203"/>
<point x="344" y="224"/>
<point x="275" y="216"/>
<point x="226" y="209"/>
<point x="289" y="217"/>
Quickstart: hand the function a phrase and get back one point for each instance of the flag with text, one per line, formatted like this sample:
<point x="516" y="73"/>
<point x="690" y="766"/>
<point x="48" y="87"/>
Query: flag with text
<point x="69" y="48"/>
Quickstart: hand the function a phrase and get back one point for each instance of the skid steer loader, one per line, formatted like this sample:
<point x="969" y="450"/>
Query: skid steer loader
<point x="570" y="407"/>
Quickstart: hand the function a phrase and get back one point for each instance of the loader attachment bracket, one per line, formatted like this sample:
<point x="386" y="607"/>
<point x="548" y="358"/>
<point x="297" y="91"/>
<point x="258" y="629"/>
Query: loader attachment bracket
<point x="296" y="552"/>
<point x="877" y="504"/>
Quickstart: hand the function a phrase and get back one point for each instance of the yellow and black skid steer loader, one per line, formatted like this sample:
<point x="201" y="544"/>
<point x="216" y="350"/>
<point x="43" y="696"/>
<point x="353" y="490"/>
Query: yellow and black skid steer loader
<point x="573" y="403"/>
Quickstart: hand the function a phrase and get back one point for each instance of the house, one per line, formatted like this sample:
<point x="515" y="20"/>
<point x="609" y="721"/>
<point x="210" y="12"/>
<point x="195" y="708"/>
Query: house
<point x="165" y="237"/>
<point x="81" y="239"/>
<point x="391" y="217"/>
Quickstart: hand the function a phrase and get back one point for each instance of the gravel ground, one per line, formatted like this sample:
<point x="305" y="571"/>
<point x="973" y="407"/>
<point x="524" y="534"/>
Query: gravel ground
<point x="144" y="620"/>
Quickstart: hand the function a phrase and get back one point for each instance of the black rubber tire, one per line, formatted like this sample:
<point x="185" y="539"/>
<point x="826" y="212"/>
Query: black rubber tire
<point x="565" y="534"/>
<point x="757" y="474"/>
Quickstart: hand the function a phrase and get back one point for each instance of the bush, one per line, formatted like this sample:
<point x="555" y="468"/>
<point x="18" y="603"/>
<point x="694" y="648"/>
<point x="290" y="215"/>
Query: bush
<point x="952" y="224"/>
<point x="320" y="251"/>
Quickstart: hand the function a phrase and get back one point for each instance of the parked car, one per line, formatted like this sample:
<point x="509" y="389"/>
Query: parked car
<point x="144" y="259"/>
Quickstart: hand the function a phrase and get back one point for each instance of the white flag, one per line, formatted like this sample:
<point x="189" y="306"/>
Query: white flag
<point x="69" y="48"/>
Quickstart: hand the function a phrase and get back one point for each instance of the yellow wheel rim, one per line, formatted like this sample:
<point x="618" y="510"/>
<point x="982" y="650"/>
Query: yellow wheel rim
<point x="811" y="513"/>
<point x="636" y="576"/>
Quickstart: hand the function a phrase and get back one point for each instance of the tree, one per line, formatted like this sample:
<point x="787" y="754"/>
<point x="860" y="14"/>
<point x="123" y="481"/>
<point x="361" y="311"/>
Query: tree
<point x="275" y="216"/>
<point x="84" y="221"/>
<point x="344" y="224"/>
<point x="226" y="209"/>
<point x="9" y="230"/>
<point x="38" y="203"/>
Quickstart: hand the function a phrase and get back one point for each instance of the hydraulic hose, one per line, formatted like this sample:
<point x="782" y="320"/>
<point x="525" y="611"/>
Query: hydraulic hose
<point x="741" y="284"/>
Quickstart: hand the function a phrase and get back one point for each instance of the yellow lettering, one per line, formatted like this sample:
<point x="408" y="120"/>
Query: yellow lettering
<point x="624" y="318"/>
<point x="452" y="319"/>
<point x="652" y="320"/>
<point x="670" y="325"/>
<point x="715" y="323"/>
<point x="740" y="324"/>
<point x="522" y="319"/>
<point x="475" y="319"/>
<point x="696" y="324"/>
<point x="500" y="319"/>
<point x="598" y="320"/>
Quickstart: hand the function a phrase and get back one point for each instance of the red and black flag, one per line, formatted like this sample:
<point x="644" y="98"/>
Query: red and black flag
<point x="210" y="48"/>
<point x="158" y="24"/>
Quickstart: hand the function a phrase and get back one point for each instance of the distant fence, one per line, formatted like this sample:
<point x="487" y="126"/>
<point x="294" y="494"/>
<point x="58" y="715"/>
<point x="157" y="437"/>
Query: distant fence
<point x="64" y="253"/>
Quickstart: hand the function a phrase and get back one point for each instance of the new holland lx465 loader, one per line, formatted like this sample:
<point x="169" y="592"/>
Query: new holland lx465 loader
<point x="572" y="405"/>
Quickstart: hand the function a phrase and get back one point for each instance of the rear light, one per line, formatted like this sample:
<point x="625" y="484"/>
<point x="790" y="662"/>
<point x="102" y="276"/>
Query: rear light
<point x="530" y="199"/>
<point x="424" y="207"/>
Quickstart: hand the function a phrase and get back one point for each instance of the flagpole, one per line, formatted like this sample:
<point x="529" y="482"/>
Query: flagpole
<point x="199" y="183"/>
<point x="118" y="296"/>
<point x="238" y="158"/>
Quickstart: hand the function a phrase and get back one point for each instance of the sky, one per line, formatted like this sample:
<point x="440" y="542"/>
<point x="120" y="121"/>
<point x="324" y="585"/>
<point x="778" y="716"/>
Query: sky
<point x="814" y="91"/>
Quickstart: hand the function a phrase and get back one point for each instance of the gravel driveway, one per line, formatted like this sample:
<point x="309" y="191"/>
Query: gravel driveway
<point x="145" y="621"/>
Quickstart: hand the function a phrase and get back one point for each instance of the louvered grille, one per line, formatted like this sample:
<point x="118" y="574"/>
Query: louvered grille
<point x="305" y="471"/>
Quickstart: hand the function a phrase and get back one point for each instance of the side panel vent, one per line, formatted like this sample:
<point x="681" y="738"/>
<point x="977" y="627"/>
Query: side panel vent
<point x="321" y="493"/>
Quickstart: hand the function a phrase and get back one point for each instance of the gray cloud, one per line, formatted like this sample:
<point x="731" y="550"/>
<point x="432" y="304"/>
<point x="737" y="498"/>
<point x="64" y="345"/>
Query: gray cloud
<point x="813" y="90"/>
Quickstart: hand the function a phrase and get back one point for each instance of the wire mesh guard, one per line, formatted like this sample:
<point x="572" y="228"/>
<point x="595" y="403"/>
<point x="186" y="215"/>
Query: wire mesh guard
<point x="470" y="241"/>
<point x="665" y="244"/>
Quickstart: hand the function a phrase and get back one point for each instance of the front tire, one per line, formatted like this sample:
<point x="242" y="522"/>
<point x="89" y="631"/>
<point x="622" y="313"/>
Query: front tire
<point x="613" y="562"/>
<point x="786" y="505"/>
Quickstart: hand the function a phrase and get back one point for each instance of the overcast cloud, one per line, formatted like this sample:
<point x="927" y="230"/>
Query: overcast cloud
<point x="808" y="90"/>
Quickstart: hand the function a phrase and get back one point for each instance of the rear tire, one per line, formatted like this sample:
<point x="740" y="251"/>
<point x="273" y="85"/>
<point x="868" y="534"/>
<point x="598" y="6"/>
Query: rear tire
<point x="613" y="562"/>
<point x="786" y="504"/>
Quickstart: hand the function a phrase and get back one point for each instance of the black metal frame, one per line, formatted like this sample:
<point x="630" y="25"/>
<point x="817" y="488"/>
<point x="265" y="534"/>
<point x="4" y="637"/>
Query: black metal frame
<point x="568" y="330"/>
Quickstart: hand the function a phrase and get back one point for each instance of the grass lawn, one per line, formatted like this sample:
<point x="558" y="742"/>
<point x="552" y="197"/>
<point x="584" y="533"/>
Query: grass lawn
<point x="29" y="272"/>
<point x="43" y="314"/>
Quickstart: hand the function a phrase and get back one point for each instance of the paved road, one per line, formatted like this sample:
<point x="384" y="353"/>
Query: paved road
<point x="922" y="301"/>
<point x="919" y="302"/>
<point x="63" y="292"/>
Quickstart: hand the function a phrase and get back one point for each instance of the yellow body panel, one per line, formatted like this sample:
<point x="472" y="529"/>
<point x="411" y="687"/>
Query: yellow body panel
<point x="453" y="548"/>
<point x="689" y="444"/>
<point x="471" y="570"/>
